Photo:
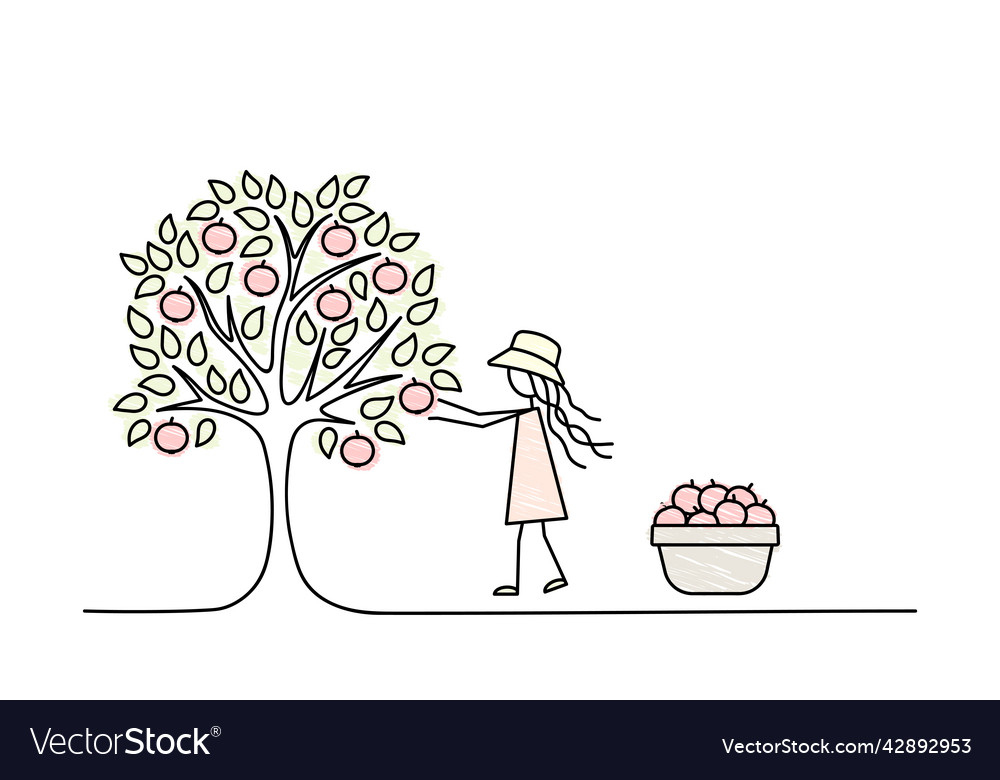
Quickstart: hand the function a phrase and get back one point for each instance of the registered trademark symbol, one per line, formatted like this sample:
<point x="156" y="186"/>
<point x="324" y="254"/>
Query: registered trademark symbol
<point x="216" y="731"/>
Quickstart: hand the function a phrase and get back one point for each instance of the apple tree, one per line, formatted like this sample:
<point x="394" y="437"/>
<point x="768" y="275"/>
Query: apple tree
<point x="290" y="313"/>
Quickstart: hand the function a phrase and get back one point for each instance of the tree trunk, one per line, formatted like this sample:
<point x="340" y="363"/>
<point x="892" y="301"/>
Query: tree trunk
<point x="280" y="578"/>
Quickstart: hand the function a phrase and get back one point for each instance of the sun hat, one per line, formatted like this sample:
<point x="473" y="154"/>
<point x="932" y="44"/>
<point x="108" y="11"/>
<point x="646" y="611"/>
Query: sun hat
<point x="532" y="352"/>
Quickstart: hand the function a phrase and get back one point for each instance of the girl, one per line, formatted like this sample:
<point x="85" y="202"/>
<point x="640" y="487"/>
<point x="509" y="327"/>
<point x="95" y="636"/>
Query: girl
<point x="534" y="494"/>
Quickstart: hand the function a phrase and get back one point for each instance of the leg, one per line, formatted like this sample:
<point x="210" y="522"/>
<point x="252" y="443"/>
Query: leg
<point x="560" y="581"/>
<point x="511" y="590"/>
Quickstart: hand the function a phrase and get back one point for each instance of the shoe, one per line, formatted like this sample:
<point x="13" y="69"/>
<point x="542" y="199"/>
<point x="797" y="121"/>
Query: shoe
<point x="555" y="584"/>
<point x="505" y="590"/>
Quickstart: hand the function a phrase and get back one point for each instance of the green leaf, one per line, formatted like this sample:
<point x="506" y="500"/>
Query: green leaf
<point x="158" y="384"/>
<point x="359" y="285"/>
<point x="196" y="351"/>
<point x="251" y="186"/>
<point x="405" y="351"/>
<point x="140" y="430"/>
<point x="344" y="333"/>
<point x="376" y="316"/>
<point x="328" y="193"/>
<point x="403" y="241"/>
<point x="187" y="252"/>
<point x="216" y="382"/>
<point x="305" y="329"/>
<point x="134" y="264"/>
<point x="445" y="380"/>
<point x="423" y="282"/>
<point x="222" y="191"/>
<point x="151" y="285"/>
<point x="218" y="277"/>
<point x="354" y="212"/>
<point x="238" y="388"/>
<point x="204" y="210"/>
<point x="378" y="230"/>
<point x="168" y="230"/>
<point x="355" y="186"/>
<point x="253" y="323"/>
<point x="144" y="358"/>
<point x="158" y="258"/>
<point x="133" y="403"/>
<point x="419" y="313"/>
<point x="205" y="432"/>
<point x="140" y="325"/>
<point x="170" y="345"/>
<point x="328" y="441"/>
<point x="389" y="432"/>
<point x="374" y="408"/>
<point x="253" y="217"/>
<point x="302" y="210"/>
<point x="437" y="353"/>
<point x="335" y="357"/>
<point x="275" y="193"/>
<point x="259" y="246"/>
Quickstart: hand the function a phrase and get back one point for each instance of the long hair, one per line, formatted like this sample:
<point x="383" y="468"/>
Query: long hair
<point x="556" y="399"/>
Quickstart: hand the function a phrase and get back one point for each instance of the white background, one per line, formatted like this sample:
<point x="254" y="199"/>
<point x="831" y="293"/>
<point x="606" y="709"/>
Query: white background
<point x="765" y="235"/>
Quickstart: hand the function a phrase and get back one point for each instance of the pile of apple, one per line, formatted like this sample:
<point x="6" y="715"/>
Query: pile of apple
<point x="714" y="504"/>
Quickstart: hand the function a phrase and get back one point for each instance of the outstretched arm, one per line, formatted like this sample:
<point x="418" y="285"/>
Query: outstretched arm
<point x="462" y="415"/>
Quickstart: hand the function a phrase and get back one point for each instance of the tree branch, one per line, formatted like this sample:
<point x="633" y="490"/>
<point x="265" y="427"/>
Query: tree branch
<point x="307" y="382"/>
<point x="298" y="254"/>
<point x="238" y="336"/>
<point x="353" y="384"/>
<point x="291" y="297"/>
<point x="202" y="395"/>
<point x="229" y="338"/>
<point x="213" y="323"/>
<point x="310" y="380"/>
<point x="326" y="276"/>
<point x="292" y="255"/>
<point x="296" y="303"/>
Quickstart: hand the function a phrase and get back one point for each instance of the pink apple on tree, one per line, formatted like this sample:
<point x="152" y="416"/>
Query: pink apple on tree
<point x="260" y="280"/>
<point x="357" y="450"/>
<point x="177" y="306"/>
<point x="170" y="437"/>
<point x="416" y="397"/>
<point x="333" y="304"/>
<point x="218" y="238"/>
<point x="338" y="241"/>
<point x="389" y="277"/>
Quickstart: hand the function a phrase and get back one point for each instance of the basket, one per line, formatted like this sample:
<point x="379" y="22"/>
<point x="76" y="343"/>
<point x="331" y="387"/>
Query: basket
<point x="704" y="560"/>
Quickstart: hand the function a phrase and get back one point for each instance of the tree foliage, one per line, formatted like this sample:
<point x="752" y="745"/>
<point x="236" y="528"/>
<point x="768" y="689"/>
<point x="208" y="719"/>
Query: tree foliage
<point x="256" y="295"/>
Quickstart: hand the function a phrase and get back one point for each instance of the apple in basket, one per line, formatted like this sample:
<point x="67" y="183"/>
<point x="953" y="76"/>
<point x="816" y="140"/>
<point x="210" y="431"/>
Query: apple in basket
<point x="711" y="495"/>
<point x="669" y="515"/>
<point x="742" y="495"/>
<point x="760" y="514"/>
<point x="686" y="497"/>
<point x="731" y="513"/>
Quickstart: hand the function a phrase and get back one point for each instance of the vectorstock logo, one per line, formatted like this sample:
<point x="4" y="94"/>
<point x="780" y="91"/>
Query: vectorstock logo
<point x="136" y="742"/>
